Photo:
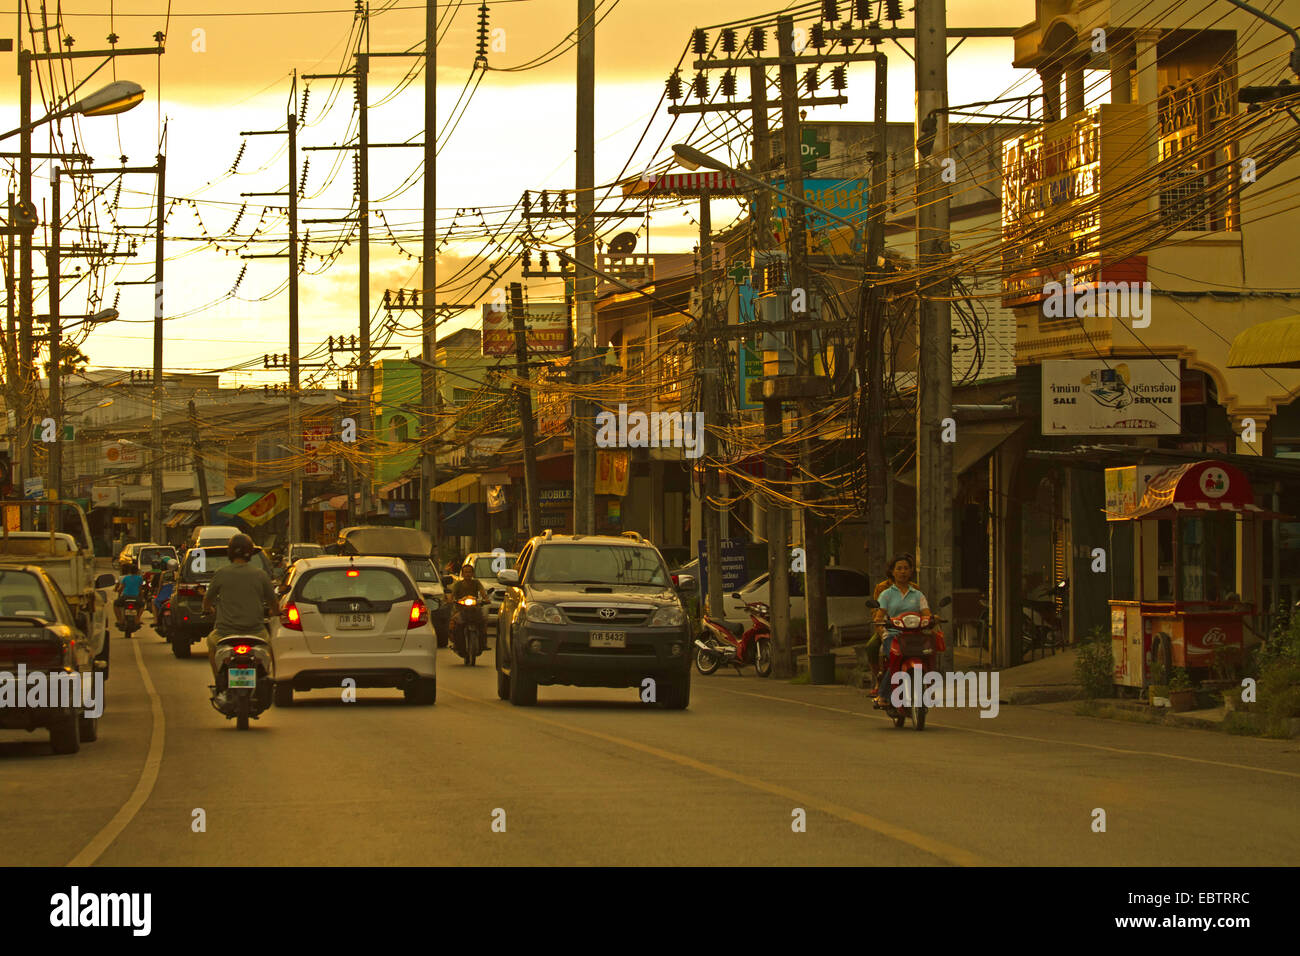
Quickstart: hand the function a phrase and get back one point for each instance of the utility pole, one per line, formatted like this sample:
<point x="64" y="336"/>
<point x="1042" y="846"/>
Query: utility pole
<point x="25" y="295"/>
<point x="934" y="331"/>
<point x="200" y="466"/>
<point x="56" y="347"/>
<point x="363" y="277"/>
<point x="709" y="368"/>
<point x="429" y="282"/>
<point x="584" y="299"/>
<point x="155" y="440"/>
<point x="804" y="387"/>
<point x="295" y="407"/>
<point x="525" y="399"/>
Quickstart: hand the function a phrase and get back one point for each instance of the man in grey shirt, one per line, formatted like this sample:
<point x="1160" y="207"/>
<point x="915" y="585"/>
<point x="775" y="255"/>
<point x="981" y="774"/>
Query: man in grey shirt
<point x="242" y="596"/>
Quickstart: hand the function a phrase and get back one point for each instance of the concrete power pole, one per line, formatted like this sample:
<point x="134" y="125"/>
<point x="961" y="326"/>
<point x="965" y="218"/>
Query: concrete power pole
<point x="525" y="399"/>
<point x="295" y="410"/>
<point x="155" y="432"/>
<point x="934" y="331"/>
<point x="709" y="370"/>
<point x="363" y="278"/>
<point x="429" y="282"/>
<point x="56" y="348"/>
<point x="815" y="616"/>
<point x="584" y="299"/>
<point x="25" y="294"/>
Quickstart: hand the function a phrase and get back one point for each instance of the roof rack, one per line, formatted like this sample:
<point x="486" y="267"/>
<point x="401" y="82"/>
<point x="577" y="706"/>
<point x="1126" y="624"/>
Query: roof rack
<point x="547" y="534"/>
<point x="634" y="535"/>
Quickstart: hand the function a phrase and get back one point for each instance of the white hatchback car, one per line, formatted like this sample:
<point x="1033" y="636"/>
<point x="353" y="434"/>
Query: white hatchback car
<point x="353" y="617"/>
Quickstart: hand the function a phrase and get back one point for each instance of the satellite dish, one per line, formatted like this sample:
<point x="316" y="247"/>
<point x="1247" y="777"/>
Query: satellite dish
<point x="623" y="243"/>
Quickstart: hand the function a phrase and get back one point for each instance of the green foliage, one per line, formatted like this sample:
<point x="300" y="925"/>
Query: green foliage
<point x="1094" y="666"/>
<point x="1277" y="664"/>
<point x="1180" y="679"/>
<point x="1241" y="724"/>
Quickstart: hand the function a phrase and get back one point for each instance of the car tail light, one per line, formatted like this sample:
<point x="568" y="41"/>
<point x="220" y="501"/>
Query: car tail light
<point x="419" y="614"/>
<point x="291" y="618"/>
<point x="674" y="580"/>
<point x="188" y="590"/>
<point x="35" y="656"/>
<point x="242" y="648"/>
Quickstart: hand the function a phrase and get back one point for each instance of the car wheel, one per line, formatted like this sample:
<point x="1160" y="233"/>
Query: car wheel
<point x="89" y="729"/>
<point x="424" y="691"/>
<point x="523" y="690"/>
<point x="503" y="679"/>
<point x="65" y="736"/>
<point x="675" y="692"/>
<point x="180" y="646"/>
<point x="283" y="694"/>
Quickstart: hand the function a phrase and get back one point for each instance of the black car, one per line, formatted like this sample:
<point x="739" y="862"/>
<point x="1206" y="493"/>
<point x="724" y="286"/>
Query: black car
<point x="188" y="623"/>
<point x="592" y="611"/>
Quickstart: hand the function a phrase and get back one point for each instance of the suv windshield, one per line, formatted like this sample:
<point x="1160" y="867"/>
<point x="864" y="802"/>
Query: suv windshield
<point x="483" y="566"/>
<point x="597" y="564"/>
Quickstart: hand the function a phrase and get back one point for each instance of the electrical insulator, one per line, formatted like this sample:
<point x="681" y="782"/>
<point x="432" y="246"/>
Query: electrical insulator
<point x="302" y="109"/>
<point x="546" y="261"/>
<point x="528" y="202"/>
<point x="528" y="259"/>
<point x="546" y="201"/>
<point x="839" y="78"/>
<point x="481" y="49"/>
<point x="728" y="85"/>
<point x="862" y="9"/>
<point x="893" y="10"/>
<point x="729" y="40"/>
<point x="563" y="202"/>
<point x="757" y="39"/>
<point x="674" y="85"/>
<point x="700" y="85"/>
<point x="699" y="42"/>
<point x="830" y="10"/>
<point x="810" y="80"/>
<point x="817" y="38"/>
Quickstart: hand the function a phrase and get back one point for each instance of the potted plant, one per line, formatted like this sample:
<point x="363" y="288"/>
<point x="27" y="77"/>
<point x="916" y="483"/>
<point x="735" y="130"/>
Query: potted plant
<point x="1158" y="690"/>
<point x="1182" y="695"/>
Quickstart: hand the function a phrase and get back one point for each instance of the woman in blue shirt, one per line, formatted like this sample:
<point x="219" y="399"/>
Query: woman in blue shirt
<point x="899" y="598"/>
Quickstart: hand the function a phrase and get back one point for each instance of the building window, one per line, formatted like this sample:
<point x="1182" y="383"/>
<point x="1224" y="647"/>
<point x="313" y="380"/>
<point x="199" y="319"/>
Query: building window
<point x="1198" y="189"/>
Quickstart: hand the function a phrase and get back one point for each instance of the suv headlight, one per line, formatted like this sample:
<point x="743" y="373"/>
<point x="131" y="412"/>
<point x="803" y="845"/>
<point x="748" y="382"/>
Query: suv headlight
<point x="544" y="614"/>
<point x="667" y="617"/>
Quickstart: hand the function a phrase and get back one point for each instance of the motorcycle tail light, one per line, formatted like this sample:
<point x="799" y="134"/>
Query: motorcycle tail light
<point x="291" y="619"/>
<point x="419" y="614"/>
<point x="242" y="649"/>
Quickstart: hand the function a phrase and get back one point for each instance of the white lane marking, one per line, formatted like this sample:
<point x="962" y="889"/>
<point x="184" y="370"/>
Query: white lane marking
<point x="1041" y="740"/>
<point x="143" y="787"/>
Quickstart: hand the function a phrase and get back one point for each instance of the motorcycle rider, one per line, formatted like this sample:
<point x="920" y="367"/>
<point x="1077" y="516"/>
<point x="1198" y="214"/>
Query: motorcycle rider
<point x="242" y="596"/>
<point x="128" y="587"/>
<point x="466" y="586"/>
<point x="900" y="597"/>
<point x="878" y="619"/>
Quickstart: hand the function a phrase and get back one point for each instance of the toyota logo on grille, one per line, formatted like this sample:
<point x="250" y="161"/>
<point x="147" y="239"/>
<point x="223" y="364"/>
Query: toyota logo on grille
<point x="608" y="613"/>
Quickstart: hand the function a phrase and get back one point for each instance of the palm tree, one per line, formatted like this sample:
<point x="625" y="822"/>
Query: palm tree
<point x="73" y="360"/>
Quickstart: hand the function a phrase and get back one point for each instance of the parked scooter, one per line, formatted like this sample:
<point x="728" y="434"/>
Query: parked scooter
<point x="724" y="643"/>
<point x="913" y="652"/>
<point x="469" y="642"/>
<point x="244" y="686"/>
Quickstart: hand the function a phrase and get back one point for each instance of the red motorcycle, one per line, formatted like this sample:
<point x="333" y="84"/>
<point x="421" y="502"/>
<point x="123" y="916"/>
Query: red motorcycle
<point x="722" y="642"/>
<point x="913" y="653"/>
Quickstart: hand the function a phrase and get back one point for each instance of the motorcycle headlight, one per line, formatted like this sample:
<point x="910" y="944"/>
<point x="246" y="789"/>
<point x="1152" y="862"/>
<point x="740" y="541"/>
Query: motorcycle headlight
<point x="911" y="620"/>
<point x="544" y="614"/>
<point x="468" y="601"/>
<point x="667" y="617"/>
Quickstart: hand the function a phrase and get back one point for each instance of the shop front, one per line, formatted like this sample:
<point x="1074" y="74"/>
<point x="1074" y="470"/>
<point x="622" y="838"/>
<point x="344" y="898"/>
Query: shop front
<point x="1187" y="572"/>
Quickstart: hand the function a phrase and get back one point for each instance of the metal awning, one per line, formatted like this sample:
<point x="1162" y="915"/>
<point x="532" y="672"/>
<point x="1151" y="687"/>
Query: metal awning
<point x="975" y="442"/>
<point x="463" y="490"/>
<point x="1274" y="344"/>
<point x="194" y="504"/>
<point x="240" y="503"/>
<point x="1197" y="488"/>
<point x="177" y="518"/>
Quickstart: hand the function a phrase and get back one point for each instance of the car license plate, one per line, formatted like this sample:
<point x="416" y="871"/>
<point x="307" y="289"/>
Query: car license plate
<point x="355" y="622"/>
<point x="608" y="639"/>
<point x="241" y="677"/>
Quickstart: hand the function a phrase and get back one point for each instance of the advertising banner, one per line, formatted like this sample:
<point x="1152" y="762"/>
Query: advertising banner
<point x="120" y="454"/>
<point x="266" y="507"/>
<point x="1111" y="397"/>
<point x="734" y="566"/>
<point x="318" y="465"/>
<point x="611" y="472"/>
<point x="547" y="325"/>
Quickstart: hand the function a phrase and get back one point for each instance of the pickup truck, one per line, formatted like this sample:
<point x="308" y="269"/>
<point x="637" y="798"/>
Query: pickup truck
<point x="68" y="557"/>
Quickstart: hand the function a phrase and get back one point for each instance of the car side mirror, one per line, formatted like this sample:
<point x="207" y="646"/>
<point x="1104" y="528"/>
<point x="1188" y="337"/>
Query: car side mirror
<point x="736" y="595"/>
<point x="282" y="590"/>
<point x="448" y="580"/>
<point x="685" y="582"/>
<point x="105" y="581"/>
<point x="508" y="576"/>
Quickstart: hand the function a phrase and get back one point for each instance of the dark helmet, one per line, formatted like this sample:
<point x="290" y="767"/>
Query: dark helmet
<point x="240" y="546"/>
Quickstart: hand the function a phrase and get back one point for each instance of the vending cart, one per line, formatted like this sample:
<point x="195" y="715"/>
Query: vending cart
<point x="1185" y="547"/>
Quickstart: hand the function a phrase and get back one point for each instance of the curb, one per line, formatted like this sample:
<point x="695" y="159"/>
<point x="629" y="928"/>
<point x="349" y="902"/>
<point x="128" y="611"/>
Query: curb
<point x="1043" y="694"/>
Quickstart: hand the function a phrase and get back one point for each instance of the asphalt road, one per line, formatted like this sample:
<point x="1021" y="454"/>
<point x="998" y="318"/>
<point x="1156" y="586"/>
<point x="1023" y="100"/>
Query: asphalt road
<point x="597" y="777"/>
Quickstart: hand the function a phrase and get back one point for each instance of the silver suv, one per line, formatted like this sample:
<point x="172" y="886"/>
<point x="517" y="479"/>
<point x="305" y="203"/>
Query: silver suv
<point x="592" y="611"/>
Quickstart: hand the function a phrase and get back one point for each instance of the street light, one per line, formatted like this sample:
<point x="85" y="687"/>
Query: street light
<point x="117" y="97"/>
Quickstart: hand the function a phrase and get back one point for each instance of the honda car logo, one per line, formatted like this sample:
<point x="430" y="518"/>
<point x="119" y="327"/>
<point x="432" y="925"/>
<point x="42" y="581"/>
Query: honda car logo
<point x="356" y="607"/>
<point x="608" y="613"/>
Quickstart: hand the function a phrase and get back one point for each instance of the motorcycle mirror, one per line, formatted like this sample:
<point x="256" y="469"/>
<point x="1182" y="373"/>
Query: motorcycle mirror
<point x="946" y="601"/>
<point x="736" y="595"/>
<point x="872" y="602"/>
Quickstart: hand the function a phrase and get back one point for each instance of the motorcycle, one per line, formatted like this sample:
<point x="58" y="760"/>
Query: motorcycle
<point x="131" y="608"/>
<point x="913" y="652"/>
<point x="722" y="642"/>
<point x="469" y="643"/>
<point x="244" y="687"/>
